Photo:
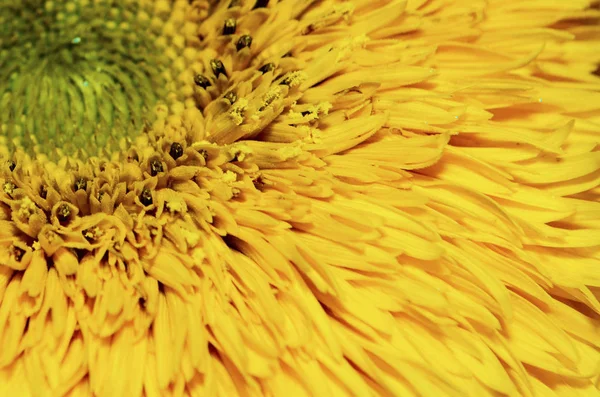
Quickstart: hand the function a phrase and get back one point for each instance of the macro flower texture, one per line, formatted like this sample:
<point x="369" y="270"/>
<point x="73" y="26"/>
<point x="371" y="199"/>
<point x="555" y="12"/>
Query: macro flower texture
<point x="299" y="198"/>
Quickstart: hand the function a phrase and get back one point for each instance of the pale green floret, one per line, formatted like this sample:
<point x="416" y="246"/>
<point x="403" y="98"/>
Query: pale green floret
<point x="76" y="76"/>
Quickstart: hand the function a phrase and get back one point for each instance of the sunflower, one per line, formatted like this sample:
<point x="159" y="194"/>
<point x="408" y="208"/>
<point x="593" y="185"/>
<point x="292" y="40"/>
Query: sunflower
<point x="300" y="197"/>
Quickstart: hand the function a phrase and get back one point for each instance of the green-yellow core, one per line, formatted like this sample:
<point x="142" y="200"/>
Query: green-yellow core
<point x="77" y="76"/>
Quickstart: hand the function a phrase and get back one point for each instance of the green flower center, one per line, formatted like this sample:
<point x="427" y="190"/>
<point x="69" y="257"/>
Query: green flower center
<point x="77" y="76"/>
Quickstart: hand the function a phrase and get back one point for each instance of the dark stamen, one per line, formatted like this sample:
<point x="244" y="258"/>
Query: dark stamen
<point x="155" y="167"/>
<point x="146" y="197"/>
<point x="80" y="184"/>
<point x="260" y="4"/>
<point x="231" y="97"/>
<point x="63" y="213"/>
<point x="286" y="81"/>
<point x="203" y="153"/>
<point x="201" y="81"/>
<point x="243" y="42"/>
<point x="18" y="253"/>
<point x="267" y="67"/>
<point x="43" y="191"/>
<point x="176" y="150"/>
<point x="229" y="26"/>
<point x="218" y="68"/>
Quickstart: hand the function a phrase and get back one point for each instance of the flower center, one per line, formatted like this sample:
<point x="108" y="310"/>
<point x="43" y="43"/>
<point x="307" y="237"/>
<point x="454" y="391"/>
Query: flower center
<point x="77" y="77"/>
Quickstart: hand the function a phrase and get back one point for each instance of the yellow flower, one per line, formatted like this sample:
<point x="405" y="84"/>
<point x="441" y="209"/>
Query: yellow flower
<point x="294" y="197"/>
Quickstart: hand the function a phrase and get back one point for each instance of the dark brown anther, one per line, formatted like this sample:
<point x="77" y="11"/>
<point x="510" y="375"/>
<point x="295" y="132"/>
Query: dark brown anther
<point x="305" y="113"/>
<point x="286" y="81"/>
<point x="89" y="235"/>
<point x="229" y="26"/>
<point x="155" y="167"/>
<point x="80" y="184"/>
<point x="18" y="253"/>
<point x="231" y="97"/>
<point x="11" y="165"/>
<point x="203" y="153"/>
<point x="267" y="67"/>
<point x="201" y="81"/>
<point x="130" y="158"/>
<point x="259" y="183"/>
<point x="218" y="68"/>
<point x="146" y="197"/>
<point x="243" y="42"/>
<point x="234" y="3"/>
<point x="63" y="213"/>
<point x="260" y="4"/>
<point x="176" y="150"/>
<point x="43" y="192"/>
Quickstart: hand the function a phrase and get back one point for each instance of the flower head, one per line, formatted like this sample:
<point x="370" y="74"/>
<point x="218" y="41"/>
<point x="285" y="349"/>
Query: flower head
<point x="310" y="197"/>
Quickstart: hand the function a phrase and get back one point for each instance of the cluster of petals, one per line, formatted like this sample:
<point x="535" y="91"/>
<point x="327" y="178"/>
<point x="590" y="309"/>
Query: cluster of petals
<point x="334" y="198"/>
